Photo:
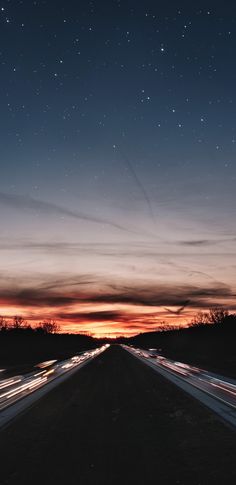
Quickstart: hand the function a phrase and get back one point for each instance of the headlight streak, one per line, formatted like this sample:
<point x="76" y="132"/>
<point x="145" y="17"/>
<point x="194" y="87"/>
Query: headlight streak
<point x="19" y="387"/>
<point x="218" y="387"/>
<point x="9" y="382"/>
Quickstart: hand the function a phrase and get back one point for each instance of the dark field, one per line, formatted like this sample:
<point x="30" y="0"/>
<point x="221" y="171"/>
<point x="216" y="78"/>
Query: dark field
<point x="21" y="349"/>
<point x="116" y="421"/>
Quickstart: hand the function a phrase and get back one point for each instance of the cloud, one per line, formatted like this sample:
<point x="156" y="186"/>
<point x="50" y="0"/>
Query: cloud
<point x="197" y="242"/>
<point x="98" y="316"/>
<point x="179" y="310"/>
<point x="22" y="202"/>
<point x="205" y="242"/>
<point x="163" y="295"/>
<point x="94" y="290"/>
<point x="130" y="309"/>
<point x="108" y="319"/>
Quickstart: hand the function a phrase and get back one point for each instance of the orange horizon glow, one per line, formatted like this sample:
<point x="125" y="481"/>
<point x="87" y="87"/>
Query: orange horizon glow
<point x="143" y="320"/>
<point x="112" y="309"/>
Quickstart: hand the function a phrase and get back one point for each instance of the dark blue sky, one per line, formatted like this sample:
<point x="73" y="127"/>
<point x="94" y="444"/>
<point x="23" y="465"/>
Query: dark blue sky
<point x="118" y="140"/>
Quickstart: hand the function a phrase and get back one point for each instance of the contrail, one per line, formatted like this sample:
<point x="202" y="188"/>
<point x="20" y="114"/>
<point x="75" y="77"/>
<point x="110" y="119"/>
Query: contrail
<point x="138" y="183"/>
<point x="29" y="203"/>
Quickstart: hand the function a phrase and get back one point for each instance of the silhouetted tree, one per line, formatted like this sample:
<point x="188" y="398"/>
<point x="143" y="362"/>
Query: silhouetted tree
<point x="217" y="315"/>
<point x="49" y="326"/>
<point x="201" y="318"/>
<point x="3" y="324"/>
<point x="18" y="322"/>
<point x="214" y="316"/>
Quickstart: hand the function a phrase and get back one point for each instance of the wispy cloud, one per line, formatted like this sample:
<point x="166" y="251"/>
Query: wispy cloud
<point x="23" y="202"/>
<point x="206" y="242"/>
<point x="179" y="310"/>
<point x="95" y="290"/>
<point x="92" y="303"/>
<point x="98" y="316"/>
<point x="199" y="242"/>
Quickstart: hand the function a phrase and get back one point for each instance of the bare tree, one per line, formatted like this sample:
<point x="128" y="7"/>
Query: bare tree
<point x="218" y="315"/>
<point x="201" y="318"/>
<point x="3" y="323"/>
<point x="214" y="316"/>
<point x="49" y="326"/>
<point x="18" y="322"/>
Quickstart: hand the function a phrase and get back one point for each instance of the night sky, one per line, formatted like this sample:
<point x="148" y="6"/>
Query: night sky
<point x="118" y="142"/>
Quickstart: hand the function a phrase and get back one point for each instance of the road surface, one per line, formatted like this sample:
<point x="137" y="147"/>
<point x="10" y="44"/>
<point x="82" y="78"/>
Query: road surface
<point x="116" y="421"/>
<point x="20" y="391"/>
<point x="217" y="392"/>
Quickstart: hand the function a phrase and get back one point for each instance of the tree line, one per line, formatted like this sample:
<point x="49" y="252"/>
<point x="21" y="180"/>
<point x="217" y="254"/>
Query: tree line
<point x="214" y="316"/>
<point x="17" y="322"/>
<point x="218" y="317"/>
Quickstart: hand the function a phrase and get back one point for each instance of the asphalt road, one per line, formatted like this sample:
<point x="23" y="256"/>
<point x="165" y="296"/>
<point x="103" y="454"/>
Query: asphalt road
<point x="18" y="392"/>
<point x="216" y="391"/>
<point x="116" y="421"/>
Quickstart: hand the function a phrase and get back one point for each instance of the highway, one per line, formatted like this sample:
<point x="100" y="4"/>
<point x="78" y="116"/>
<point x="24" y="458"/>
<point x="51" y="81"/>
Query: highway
<point x="216" y="391"/>
<point x="116" y="421"/>
<point x="45" y="375"/>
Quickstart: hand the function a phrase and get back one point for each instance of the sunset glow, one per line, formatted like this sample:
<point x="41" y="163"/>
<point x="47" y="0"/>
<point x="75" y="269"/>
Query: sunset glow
<point x="112" y="310"/>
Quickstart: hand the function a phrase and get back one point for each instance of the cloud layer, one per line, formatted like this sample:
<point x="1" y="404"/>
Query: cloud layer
<point x="88" y="303"/>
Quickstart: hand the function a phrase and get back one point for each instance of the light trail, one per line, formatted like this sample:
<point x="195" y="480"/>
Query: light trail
<point x="217" y="388"/>
<point x="18" y="387"/>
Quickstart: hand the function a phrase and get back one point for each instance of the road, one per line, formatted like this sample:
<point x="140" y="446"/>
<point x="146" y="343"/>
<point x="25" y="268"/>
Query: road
<point x="44" y="376"/>
<point x="116" y="421"/>
<point x="217" y="392"/>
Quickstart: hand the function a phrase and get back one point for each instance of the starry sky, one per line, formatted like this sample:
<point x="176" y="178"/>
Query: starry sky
<point x="118" y="142"/>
